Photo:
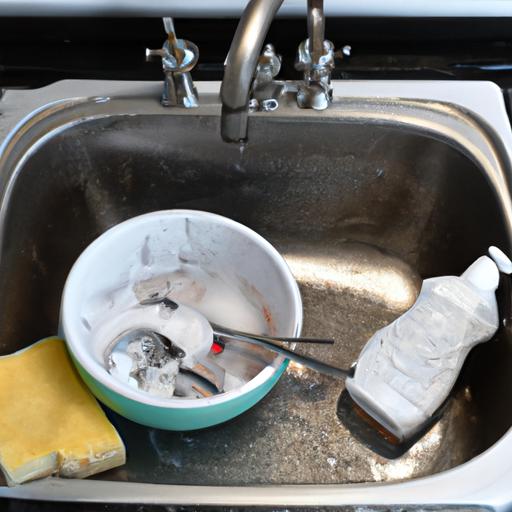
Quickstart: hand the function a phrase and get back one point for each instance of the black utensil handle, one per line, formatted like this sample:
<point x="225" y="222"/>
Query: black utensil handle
<point x="312" y="341"/>
<point x="314" y="364"/>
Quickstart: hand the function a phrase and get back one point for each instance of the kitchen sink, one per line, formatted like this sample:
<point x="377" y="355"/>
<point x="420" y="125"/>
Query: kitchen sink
<point x="394" y="183"/>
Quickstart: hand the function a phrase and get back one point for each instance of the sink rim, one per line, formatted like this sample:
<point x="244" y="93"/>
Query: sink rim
<point x="483" y="480"/>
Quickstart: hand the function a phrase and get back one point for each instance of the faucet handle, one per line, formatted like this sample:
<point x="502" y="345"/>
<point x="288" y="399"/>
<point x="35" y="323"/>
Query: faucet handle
<point x="269" y="65"/>
<point x="315" y="70"/>
<point x="269" y="62"/>
<point x="154" y="54"/>
<point x="179" y="57"/>
<point x="188" y="57"/>
<point x="315" y="91"/>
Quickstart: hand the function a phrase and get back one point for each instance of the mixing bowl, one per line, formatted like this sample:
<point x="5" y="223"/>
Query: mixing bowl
<point x="223" y="269"/>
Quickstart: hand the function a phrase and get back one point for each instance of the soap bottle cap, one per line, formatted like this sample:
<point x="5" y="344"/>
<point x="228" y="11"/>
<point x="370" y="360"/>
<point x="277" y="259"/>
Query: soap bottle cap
<point x="483" y="274"/>
<point x="501" y="259"/>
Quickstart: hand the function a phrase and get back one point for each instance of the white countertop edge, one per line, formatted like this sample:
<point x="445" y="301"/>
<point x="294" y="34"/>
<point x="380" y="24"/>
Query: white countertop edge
<point x="233" y="8"/>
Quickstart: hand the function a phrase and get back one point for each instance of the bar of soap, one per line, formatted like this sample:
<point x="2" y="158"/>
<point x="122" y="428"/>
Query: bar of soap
<point x="50" y="424"/>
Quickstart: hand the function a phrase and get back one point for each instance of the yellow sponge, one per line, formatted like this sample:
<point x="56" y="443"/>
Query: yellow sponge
<point x="49" y="421"/>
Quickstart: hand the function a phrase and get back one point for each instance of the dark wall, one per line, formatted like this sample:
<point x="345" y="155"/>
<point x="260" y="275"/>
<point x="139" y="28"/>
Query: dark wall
<point x="35" y="52"/>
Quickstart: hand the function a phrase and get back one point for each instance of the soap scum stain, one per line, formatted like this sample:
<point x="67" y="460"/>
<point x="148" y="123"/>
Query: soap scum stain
<point x="40" y="265"/>
<point x="406" y="466"/>
<point x="332" y="461"/>
<point x="298" y="370"/>
<point x="165" y="457"/>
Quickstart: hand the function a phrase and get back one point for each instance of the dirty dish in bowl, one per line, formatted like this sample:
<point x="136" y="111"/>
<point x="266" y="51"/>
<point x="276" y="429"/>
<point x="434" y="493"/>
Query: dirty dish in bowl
<point x="223" y="269"/>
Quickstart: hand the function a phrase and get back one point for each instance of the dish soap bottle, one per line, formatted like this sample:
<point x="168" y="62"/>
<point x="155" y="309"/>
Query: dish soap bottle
<point x="407" y="369"/>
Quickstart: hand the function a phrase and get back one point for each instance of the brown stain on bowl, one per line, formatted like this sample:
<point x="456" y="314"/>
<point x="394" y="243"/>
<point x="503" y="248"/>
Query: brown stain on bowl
<point x="257" y="299"/>
<point x="269" y="320"/>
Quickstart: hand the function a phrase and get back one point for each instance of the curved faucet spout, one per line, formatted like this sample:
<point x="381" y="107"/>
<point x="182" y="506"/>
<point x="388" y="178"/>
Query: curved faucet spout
<point x="241" y="66"/>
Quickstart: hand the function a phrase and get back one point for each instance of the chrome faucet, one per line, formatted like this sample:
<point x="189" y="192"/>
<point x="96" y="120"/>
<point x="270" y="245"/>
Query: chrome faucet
<point x="315" y="58"/>
<point x="178" y="58"/>
<point x="241" y="65"/>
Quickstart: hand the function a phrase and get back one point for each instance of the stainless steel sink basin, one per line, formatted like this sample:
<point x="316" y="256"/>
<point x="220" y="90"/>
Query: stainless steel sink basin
<point x="394" y="183"/>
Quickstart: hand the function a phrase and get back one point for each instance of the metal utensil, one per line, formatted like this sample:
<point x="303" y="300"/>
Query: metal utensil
<point x="224" y="335"/>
